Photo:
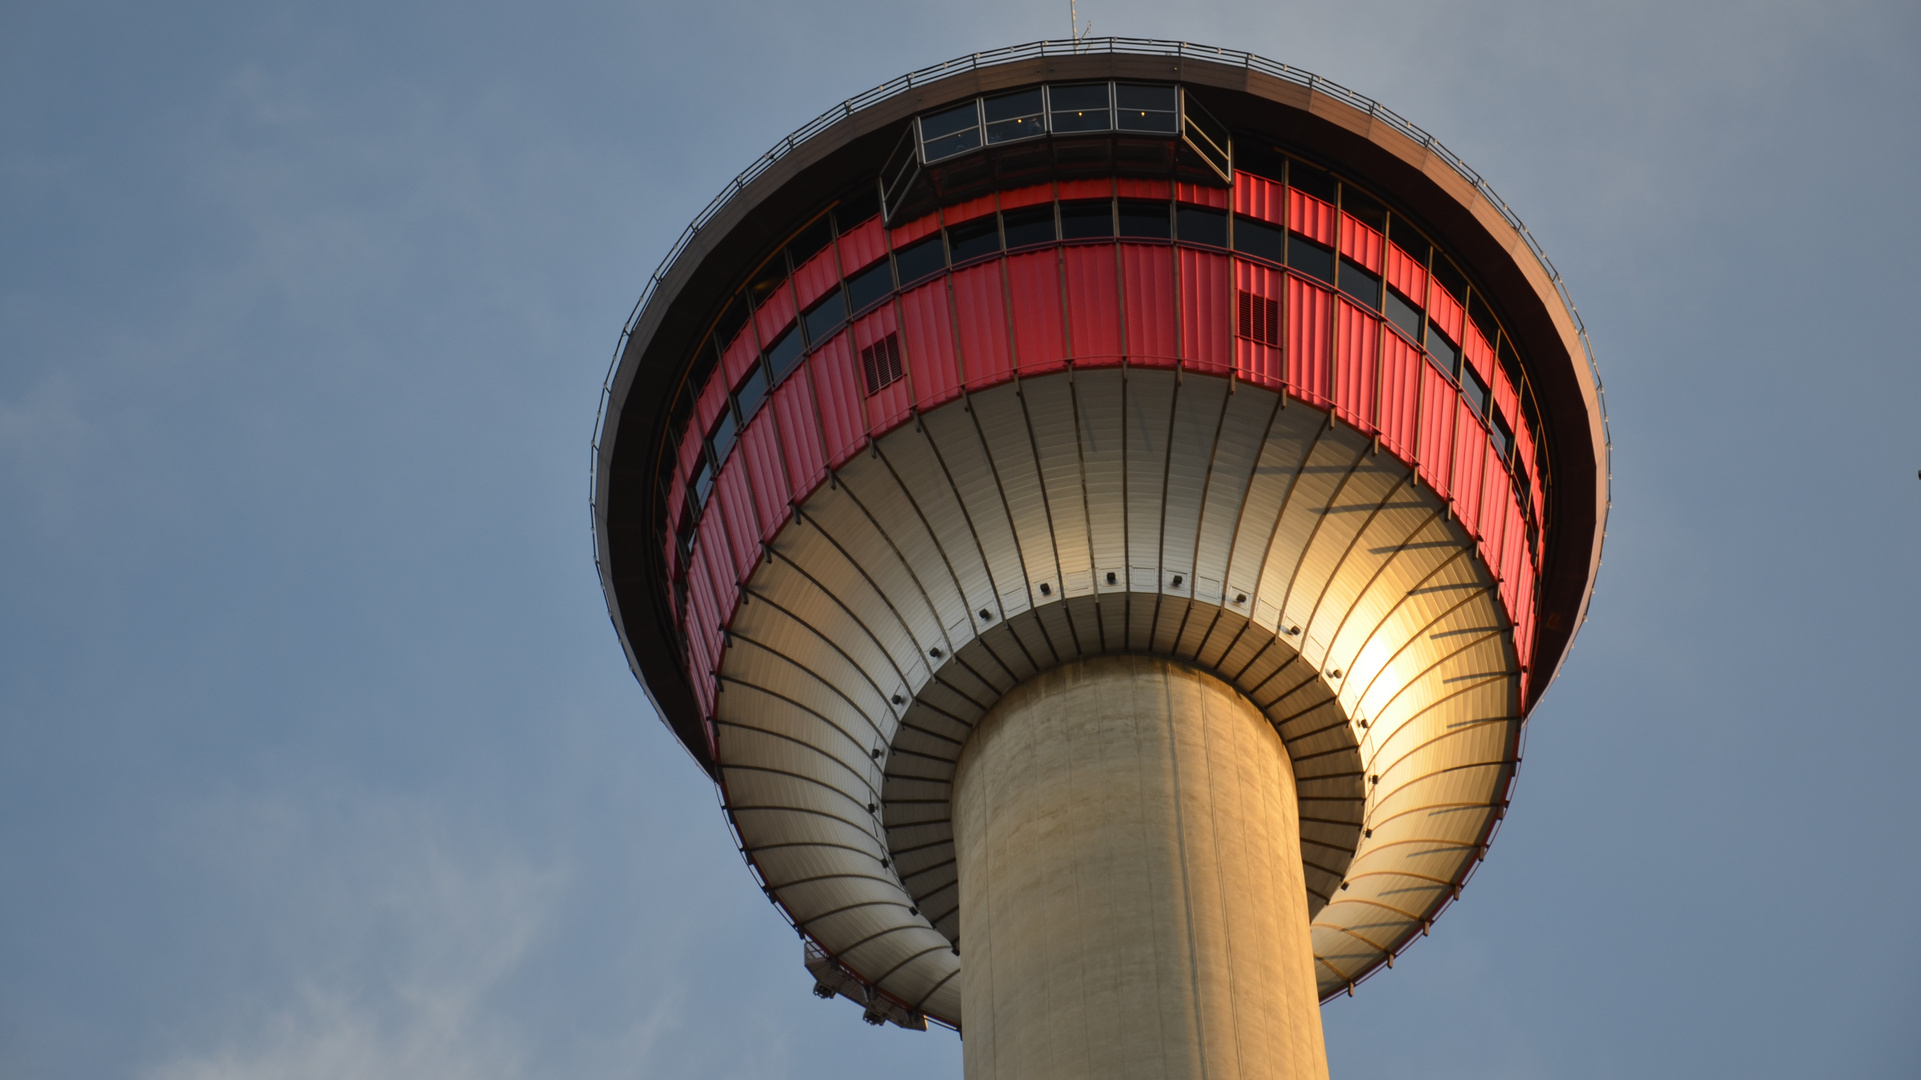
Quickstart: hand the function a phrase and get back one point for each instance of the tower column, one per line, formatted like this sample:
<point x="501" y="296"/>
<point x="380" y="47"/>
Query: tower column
<point x="1132" y="903"/>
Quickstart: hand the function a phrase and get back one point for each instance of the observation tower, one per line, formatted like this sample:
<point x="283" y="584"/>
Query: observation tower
<point x="1102" y="513"/>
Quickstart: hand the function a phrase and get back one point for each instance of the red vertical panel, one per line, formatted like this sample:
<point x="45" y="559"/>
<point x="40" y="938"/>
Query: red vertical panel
<point x="1202" y="195"/>
<point x="1447" y="312"/>
<point x="838" y="391"/>
<point x="1034" y="298"/>
<point x="712" y="399"/>
<point x="816" y="276"/>
<point x="1355" y="352"/>
<point x="1093" y="305"/>
<point x="863" y="245"/>
<point x="1207" y="311"/>
<point x="766" y="475"/>
<point x="1513" y="552"/>
<point x="1360" y="243"/>
<point x="741" y="355"/>
<point x="800" y="436"/>
<point x="717" y="559"/>
<point x="702" y="675"/>
<point x="1310" y="325"/>
<point x="1479" y="353"/>
<point x="1507" y="400"/>
<point x="1257" y="361"/>
<point x="1523" y="439"/>
<point x="914" y="230"/>
<point x="690" y="443"/>
<point x="894" y="402"/>
<point x="1259" y="197"/>
<point x="1439" y="402"/>
<point x="1406" y="275"/>
<point x="1524" y="603"/>
<point x="1401" y="366"/>
<point x="775" y="313"/>
<point x="1153" y="320"/>
<point x="927" y="338"/>
<point x="980" y="314"/>
<point x="969" y="210"/>
<point x="1128" y="188"/>
<point x="705" y="641"/>
<point x="1027" y="196"/>
<point x="1524" y="463"/>
<point x="1470" y="448"/>
<point x="1493" y="516"/>
<point x="1310" y="217"/>
<point x="733" y="499"/>
<point x="1086" y="189"/>
<point x="676" y="498"/>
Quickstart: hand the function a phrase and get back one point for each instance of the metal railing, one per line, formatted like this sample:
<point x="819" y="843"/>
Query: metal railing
<point x="1113" y="45"/>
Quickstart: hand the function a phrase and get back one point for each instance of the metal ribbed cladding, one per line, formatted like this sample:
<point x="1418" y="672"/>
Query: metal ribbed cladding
<point x="893" y="563"/>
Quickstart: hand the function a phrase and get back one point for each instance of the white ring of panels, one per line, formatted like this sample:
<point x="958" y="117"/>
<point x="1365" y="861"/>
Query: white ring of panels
<point x="973" y="548"/>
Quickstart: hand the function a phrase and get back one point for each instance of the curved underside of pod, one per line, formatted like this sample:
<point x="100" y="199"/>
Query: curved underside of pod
<point x="1238" y="532"/>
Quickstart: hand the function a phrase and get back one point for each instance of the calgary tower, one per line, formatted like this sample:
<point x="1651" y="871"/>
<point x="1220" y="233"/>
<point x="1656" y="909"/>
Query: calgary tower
<point x="1103" y="514"/>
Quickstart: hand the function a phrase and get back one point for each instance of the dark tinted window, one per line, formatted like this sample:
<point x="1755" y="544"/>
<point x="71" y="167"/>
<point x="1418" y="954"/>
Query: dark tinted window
<point x="1029" y="225"/>
<point x="1309" y="180"/>
<point x="824" y="317"/>
<point x="731" y="320"/>
<point x="1014" y="116"/>
<point x="705" y="358"/>
<point x="1473" y="389"/>
<point x="784" y="353"/>
<point x="1511" y="362"/>
<point x="1365" y="210"/>
<point x="1403" y="314"/>
<point x="1478" y="311"/>
<point x="870" y="285"/>
<point x="952" y="131"/>
<point x="1503" y="436"/>
<point x="751" y="392"/>
<point x="767" y="279"/>
<point x="1079" y="108"/>
<point x="856" y="207"/>
<point x="1359" y="284"/>
<point x="810" y="241"/>
<point x="920" y="259"/>
<point x="721" y="438"/>
<point x="1260" y="159"/>
<point x="703" y="480"/>
<point x="1201" y="225"/>
<point x="1446" y="353"/>
<point x="1409" y="241"/>
<point x="1310" y="258"/>
<point x="1145" y="108"/>
<point x="684" y="534"/>
<point x="1145" y="218"/>
<point x="1087" y="218"/>
<point x="1449" y="278"/>
<point x="1259" y="239"/>
<point x="972" y="239"/>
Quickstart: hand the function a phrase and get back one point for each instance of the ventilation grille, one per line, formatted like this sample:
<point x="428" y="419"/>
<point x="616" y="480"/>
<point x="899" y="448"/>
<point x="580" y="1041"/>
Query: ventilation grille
<point x="1260" y="318"/>
<point x="880" y="363"/>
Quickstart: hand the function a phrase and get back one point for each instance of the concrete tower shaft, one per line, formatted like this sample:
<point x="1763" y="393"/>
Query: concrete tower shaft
<point x="1130" y="873"/>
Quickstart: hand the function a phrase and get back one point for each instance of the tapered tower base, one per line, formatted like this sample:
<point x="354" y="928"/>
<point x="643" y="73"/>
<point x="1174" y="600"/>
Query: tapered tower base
<point x="1132" y="901"/>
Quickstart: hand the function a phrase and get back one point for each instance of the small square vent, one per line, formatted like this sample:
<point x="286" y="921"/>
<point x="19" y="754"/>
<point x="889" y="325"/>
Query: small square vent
<point x="1260" y="318"/>
<point x="880" y="363"/>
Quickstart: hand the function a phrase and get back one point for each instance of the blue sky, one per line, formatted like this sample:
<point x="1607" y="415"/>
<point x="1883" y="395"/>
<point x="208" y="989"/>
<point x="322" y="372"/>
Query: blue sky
<point x="318" y="756"/>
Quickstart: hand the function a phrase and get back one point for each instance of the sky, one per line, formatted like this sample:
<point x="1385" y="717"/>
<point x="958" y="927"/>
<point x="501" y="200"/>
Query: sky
<point x="319" y="757"/>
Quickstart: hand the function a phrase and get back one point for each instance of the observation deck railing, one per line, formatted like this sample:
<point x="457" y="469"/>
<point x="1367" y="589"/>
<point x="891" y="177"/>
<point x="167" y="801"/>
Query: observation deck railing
<point x="1118" y="46"/>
